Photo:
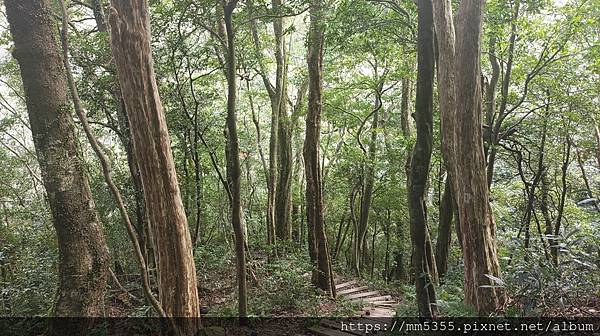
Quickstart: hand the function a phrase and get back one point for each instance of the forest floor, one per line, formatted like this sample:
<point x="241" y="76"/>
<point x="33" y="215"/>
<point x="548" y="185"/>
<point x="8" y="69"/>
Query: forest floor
<point x="280" y="290"/>
<point x="281" y="295"/>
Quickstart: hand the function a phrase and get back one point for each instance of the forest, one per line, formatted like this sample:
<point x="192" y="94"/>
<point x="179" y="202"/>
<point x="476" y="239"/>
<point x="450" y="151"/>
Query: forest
<point x="299" y="159"/>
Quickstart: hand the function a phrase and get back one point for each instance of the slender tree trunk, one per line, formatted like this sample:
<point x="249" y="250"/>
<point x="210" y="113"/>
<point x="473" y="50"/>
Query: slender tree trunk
<point x="323" y="275"/>
<point x="98" y="11"/>
<point x="369" y="183"/>
<point x="404" y="107"/>
<point x="459" y="81"/>
<point x="130" y="33"/>
<point x="399" y="271"/>
<point x="586" y="181"/>
<point x="554" y="246"/>
<point x="283" y="197"/>
<point x="83" y="254"/>
<point x="420" y="161"/>
<point x="444" y="236"/>
<point x="495" y="124"/>
<point x="490" y="109"/>
<point x="280" y="152"/>
<point x="233" y="164"/>
<point x="597" y="133"/>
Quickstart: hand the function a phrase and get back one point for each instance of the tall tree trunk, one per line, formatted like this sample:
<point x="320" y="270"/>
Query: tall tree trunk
<point x="280" y="156"/>
<point x="490" y="108"/>
<point x="83" y="254"/>
<point x="586" y="181"/>
<point x="105" y="164"/>
<point x="459" y="81"/>
<point x="404" y="107"/>
<point x="130" y="38"/>
<point x="124" y="134"/>
<point x="444" y="236"/>
<point x="554" y="246"/>
<point x="98" y="11"/>
<point x="399" y="271"/>
<point x="597" y="133"/>
<point x="233" y="162"/>
<point x="420" y="161"/>
<point x="283" y="197"/>
<point x="323" y="275"/>
<point x="496" y="121"/>
<point x="368" y="185"/>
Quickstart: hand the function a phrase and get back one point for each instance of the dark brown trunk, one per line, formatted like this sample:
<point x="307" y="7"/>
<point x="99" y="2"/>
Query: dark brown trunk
<point x="83" y="255"/>
<point x="404" y="107"/>
<point x="368" y="185"/>
<point x="283" y="197"/>
<point x="420" y="161"/>
<point x="597" y="133"/>
<point x="554" y="246"/>
<point x="495" y="124"/>
<point x="444" y="235"/>
<point x="490" y="110"/>
<point x="130" y="38"/>
<point x="323" y="274"/>
<point x="586" y="181"/>
<point x="233" y="162"/>
<point x="98" y="11"/>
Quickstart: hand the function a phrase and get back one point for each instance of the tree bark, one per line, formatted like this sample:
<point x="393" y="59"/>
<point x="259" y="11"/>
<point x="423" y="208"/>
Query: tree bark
<point x="490" y="108"/>
<point x="459" y="81"/>
<point x="586" y="181"/>
<point x="554" y="246"/>
<point x="420" y="161"/>
<point x="106" y="168"/>
<point x="404" y="107"/>
<point x="83" y="254"/>
<point x="323" y="275"/>
<point x="130" y="38"/>
<point x="444" y="236"/>
<point x="368" y="185"/>
<point x="495" y="123"/>
<point x="597" y="133"/>
<point x="233" y="162"/>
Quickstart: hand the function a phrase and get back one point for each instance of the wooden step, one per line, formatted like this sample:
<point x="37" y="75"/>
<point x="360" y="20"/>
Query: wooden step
<point x="373" y="299"/>
<point x="345" y="284"/>
<point x="392" y="302"/>
<point x="362" y="295"/>
<point x="352" y="290"/>
<point x="379" y="312"/>
<point x="322" y="331"/>
<point x="382" y="305"/>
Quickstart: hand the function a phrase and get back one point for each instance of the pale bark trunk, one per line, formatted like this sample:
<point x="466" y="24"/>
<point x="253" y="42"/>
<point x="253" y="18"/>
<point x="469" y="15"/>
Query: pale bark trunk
<point x="106" y="168"/>
<point x="130" y="37"/>
<point x="459" y="81"/>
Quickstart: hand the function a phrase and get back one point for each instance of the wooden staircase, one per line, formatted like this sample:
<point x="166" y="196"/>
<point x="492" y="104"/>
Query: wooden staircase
<point x="377" y="309"/>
